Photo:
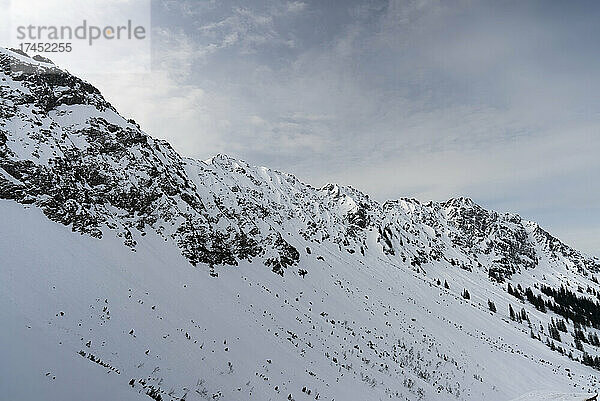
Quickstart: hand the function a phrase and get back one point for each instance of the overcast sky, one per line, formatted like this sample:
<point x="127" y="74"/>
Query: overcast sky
<point x="496" y="100"/>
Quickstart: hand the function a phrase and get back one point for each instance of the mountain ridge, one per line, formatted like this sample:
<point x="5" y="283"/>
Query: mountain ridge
<point x="377" y="270"/>
<point x="133" y="134"/>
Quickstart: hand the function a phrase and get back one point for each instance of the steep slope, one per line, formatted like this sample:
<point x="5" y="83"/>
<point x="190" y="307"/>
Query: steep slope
<point x="546" y="396"/>
<point x="367" y="301"/>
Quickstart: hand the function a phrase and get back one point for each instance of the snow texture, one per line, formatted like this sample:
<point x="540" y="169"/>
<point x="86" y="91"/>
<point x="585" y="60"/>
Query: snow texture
<point x="130" y="272"/>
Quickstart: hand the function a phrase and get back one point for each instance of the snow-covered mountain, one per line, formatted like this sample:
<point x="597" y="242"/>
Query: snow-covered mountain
<point x="129" y="271"/>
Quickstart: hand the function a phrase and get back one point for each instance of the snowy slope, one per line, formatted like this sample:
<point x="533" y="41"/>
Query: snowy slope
<point x="358" y="349"/>
<point x="549" y="396"/>
<point x="172" y="278"/>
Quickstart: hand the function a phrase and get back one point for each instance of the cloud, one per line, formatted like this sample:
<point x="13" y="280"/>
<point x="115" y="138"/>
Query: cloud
<point x="295" y="6"/>
<point x="486" y="171"/>
<point x="163" y="101"/>
<point x="551" y="181"/>
<point x="422" y="98"/>
<point x="246" y="28"/>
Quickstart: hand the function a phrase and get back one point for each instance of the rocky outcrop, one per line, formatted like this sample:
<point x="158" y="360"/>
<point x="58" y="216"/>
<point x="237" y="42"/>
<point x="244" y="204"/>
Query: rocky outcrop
<point x="65" y="149"/>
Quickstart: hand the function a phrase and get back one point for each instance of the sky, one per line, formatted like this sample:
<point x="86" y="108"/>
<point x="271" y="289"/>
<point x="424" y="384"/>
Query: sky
<point x="495" y="100"/>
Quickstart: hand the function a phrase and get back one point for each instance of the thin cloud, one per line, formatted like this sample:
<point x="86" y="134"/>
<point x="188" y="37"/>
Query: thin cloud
<point x="422" y="98"/>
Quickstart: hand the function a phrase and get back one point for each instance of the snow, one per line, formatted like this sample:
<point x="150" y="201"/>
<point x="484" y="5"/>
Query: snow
<point x="26" y="60"/>
<point x="254" y="311"/>
<point x="84" y="317"/>
<point x="552" y="396"/>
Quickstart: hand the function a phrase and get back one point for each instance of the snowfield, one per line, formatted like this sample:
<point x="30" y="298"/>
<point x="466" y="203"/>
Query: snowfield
<point x="545" y="396"/>
<point x="343" y="333"/>
<point x="132" y="273"/>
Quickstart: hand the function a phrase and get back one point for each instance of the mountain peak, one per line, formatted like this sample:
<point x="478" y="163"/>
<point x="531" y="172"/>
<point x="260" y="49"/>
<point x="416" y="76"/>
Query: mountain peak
<point x="461" y="201"/>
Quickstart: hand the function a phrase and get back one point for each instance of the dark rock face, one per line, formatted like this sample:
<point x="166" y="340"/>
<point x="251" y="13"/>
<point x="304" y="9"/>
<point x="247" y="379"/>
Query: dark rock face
<point x="503" y="237"/>
<point x="42" y="59"/>
<point x="50" y="87"/>
<point x="64" y="149"/>
<point x="288" y="255"/>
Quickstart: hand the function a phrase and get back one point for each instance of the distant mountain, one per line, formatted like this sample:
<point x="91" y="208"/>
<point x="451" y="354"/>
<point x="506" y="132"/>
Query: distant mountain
<point x="298" y="292"/>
